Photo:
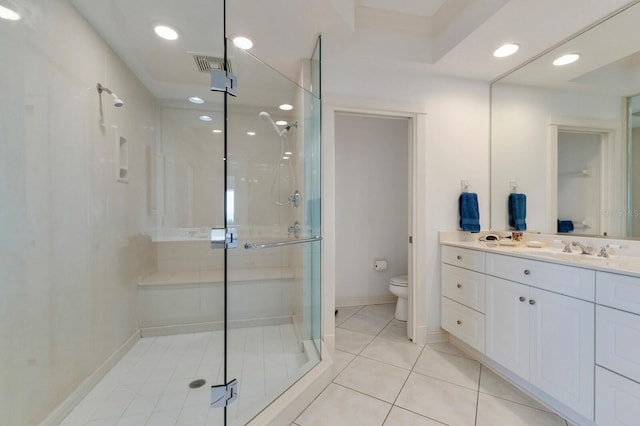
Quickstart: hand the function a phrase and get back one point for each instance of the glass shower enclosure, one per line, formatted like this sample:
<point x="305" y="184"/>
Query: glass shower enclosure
<point x="161" y="240"/>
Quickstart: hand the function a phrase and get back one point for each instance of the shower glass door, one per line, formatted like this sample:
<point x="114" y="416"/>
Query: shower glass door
<point x="273" y="204"/>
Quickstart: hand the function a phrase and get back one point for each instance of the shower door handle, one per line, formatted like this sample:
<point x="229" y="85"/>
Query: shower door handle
<point x="253" y="246"/>
<point x="222" y="238"/>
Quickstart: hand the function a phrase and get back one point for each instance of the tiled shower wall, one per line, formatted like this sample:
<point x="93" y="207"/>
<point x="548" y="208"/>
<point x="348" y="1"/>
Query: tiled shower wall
<point x="72" y="248"/>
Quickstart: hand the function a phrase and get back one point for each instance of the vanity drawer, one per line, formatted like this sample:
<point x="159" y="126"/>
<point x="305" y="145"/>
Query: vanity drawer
<point x="618" y="341"/>
<point x="463" y="286"/>
<point x="463" y="323"/>
<point x="617" y="399"/>
<point x="575" y="282"/>
<point x="464" y="258"/>
<point x="618" y="291"/>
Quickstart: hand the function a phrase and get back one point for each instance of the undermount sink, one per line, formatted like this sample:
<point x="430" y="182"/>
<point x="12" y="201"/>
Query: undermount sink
<point x="556" y="253"/>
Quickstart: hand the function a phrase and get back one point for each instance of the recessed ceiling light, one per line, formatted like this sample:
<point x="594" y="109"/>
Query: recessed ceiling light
<point x="196" y="100"/>
<point x="251" y="133"/>
<point x="8" y="14"/>
<point x="205" y="118"/>
<point x="566" y="59"/>
<point x="286" y="107"/>
<point x="506" y="50"/>
<point x="281" y="123"/>
<point x="217" y="131"/>
<point x="288" y="153"/>
<point x="165" y="32"/>
<point x="285" y="158"/>
<point x="242" y="43"/>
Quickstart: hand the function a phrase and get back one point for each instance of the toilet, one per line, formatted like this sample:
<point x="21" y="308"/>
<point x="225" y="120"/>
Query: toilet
<point x="400" y="287"/>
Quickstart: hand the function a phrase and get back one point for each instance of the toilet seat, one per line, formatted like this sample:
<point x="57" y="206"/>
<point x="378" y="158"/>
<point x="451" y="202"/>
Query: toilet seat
<point x="400" y="281"/>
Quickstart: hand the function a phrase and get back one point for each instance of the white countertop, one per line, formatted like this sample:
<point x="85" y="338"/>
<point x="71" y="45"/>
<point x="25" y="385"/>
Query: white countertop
<point x="627" y="265"/>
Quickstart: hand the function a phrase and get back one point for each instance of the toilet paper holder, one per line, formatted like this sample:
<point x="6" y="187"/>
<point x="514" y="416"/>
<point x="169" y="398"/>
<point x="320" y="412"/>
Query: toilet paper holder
<point x="380" y="265"/>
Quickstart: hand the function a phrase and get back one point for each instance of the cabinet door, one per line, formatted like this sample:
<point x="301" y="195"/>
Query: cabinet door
<point x="618" y="341"/>
<point x="562" y="339"/>
<point x="617" y="399"/>
<point x="507" y="324"/>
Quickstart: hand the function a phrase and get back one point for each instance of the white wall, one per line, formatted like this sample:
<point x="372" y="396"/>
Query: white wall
<point x="520" y="148"/>
<point x="456" y="147"/>
<point x="371" y="205"/>
<point x="71" y="249"/>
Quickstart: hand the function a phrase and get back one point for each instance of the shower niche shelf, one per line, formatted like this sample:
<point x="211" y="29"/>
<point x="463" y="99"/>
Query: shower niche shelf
<point x="122" y="158"/>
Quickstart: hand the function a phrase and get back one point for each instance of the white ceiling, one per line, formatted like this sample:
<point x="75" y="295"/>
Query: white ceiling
<point x="409" y="7"/>
<point x="445" y="37"/>
<point x="609" y="61"/>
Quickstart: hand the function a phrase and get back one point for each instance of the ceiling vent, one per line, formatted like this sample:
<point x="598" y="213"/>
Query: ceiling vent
<point x="206" y="64"/>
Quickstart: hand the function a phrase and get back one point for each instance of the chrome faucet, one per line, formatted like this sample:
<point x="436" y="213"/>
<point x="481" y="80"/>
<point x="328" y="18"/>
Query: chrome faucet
<point x="295" y="229"/>
<point x="585" y="250"/>
<point x="567" y="247"/>
<point x="603" y="251"/>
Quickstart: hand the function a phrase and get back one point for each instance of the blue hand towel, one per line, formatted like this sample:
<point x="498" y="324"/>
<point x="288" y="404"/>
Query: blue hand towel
<point x="469" y="212"/>
<point x="565" y="226"/>
<point x="518" y="212"/>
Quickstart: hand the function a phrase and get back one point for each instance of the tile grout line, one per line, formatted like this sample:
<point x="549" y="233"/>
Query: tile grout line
<point x="475" y="422"/>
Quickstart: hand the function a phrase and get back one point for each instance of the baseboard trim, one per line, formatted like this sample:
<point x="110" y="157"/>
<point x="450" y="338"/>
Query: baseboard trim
<point x="64" y="409"/>
<point x="366" y="300"/>
<point x="201" y="327"/>
<point x="437" y="336"/>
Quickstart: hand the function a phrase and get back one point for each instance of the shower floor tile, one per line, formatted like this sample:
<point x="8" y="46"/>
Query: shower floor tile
<point x="150" y="384"/>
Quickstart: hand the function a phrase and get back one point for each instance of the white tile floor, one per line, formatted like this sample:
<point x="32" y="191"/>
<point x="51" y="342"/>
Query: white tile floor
<point x="383" y="379"/>
<point x="380" y="379"/>
<point x="150" y="384"/>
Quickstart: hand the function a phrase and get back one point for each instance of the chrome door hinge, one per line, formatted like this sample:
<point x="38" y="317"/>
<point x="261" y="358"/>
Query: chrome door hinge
<point x="223" y="395"/>
<point x="224" y="81"/>
<point x="222" y="238"/>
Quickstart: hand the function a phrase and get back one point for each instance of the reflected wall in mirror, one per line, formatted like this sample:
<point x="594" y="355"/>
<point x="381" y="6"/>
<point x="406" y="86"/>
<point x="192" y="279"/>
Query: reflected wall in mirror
<point x="563" y="135"/>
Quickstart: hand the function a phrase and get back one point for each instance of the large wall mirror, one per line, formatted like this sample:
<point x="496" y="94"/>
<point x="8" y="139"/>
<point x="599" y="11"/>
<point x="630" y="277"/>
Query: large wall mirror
<point x="568" y="136"/>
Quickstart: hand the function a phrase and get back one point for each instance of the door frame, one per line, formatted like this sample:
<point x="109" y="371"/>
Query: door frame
<point x="333" y="104"/>
<point x="613" y="185"/>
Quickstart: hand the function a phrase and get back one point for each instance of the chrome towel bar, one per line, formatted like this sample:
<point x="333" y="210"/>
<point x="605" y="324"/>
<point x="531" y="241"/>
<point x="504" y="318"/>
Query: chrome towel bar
<point x="253" y="246"/>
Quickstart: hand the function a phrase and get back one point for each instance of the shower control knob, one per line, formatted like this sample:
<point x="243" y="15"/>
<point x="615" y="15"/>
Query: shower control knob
<point x="522" y="299"/>
<point x="532" y="302"/>
<point x="459" y="322"/>
<point x="459" y="257"/>
<point x="527" y="272"/>
<point x="459" y="285"/>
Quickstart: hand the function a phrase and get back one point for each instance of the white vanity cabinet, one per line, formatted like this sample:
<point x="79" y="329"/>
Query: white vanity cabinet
<point x="544" y="337"/>
<point x="617" y="349"/>
<point x="538" y="319"/>
<point x="462" y="303"/>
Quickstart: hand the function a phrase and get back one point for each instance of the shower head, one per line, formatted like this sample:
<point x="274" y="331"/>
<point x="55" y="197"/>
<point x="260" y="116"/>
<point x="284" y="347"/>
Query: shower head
<point x="265" y="116"/>
<point x="117" y="102"/>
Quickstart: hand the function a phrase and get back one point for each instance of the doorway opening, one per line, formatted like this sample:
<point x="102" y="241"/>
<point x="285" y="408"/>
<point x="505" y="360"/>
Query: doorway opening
<point x="373" y="172"/>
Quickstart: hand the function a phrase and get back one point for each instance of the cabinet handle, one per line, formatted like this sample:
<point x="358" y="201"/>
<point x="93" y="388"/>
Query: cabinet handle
<point x="532" y="302"/>
<point x="459" y="285"/>
<point x="522" y="298"/>
<point x="459" y="257"/>
<point x="459" y="322"/>
<point x="527" y="272"/>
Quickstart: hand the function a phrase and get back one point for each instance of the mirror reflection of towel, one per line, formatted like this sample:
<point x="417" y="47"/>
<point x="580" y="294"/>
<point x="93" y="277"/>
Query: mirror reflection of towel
<point x="469" y="212"/>
<point x="518" y="212"/>
<point x="565" y="226"/>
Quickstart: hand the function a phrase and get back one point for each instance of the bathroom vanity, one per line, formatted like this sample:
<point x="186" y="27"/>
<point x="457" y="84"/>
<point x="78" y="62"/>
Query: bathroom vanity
<point x="564" y="327"/>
